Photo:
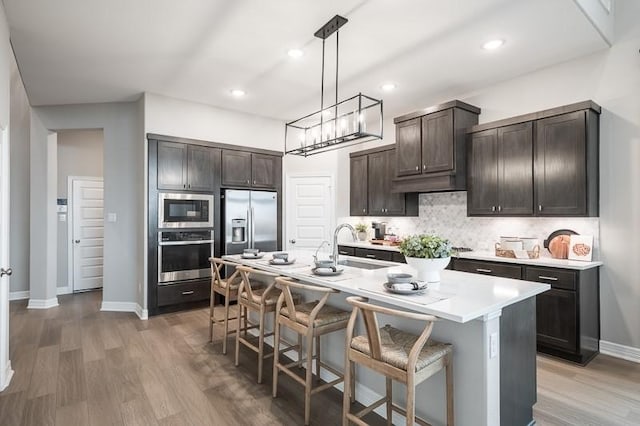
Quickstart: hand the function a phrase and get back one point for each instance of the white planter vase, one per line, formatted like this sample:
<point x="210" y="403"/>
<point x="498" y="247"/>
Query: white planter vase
<point x="428" y="269"/>
<point x="362" y="236"/>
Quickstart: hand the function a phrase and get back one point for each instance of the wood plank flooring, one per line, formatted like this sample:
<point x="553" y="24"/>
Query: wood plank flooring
<point x="75" y="365"/>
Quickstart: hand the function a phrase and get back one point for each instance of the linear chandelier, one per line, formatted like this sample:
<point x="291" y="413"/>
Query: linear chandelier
<point x="351" y="121"/>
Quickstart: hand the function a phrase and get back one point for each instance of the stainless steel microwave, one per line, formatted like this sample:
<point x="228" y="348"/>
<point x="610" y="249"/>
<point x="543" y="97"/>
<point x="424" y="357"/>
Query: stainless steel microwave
<point x="185" y="210"/>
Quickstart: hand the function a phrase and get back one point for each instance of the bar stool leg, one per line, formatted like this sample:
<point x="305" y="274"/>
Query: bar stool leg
<point x="352" y="383"/>
<point x="226" y="323"/>
<point x="317" y="358"/>
<point x="346" y="394"/>
<point x="276" y="356"/>
<point x="308" y="377"/>
<point x="449" y="383"/>
<point x="389" y="402"/>
<point x="261" y="343"/>
<point x="300" y="350"/>
<point x="411" y="402"/>
<point x="238" y="336"/>
<point x="212" y="305"/>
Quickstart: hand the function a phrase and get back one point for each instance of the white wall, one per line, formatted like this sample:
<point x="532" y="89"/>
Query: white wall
<point x="19" y="131"/>
<point x="79" y="154"/>
<point x="610" y="78"/>
<point x="176" y="117"/>
<point x="123" y="187"/>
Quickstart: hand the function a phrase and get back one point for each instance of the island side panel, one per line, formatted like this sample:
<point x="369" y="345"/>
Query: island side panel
<point x="518" y="363"/>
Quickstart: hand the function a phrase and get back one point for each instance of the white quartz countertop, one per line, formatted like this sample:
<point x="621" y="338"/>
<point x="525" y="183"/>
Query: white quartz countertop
<point x="544" y="260"/>
<point x="465" y="296"/>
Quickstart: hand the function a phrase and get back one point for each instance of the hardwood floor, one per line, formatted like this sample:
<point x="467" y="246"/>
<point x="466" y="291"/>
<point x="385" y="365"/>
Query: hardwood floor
<point x="75" y="365"/>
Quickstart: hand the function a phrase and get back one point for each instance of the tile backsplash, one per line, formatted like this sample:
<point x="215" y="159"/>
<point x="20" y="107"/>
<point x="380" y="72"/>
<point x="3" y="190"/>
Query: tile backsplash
<point x="445" y="214"/>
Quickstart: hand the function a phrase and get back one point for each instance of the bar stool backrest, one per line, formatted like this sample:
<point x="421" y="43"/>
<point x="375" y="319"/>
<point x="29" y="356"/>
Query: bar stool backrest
<point x="369" y="312"/>
<point x="286" y="298"/>
<point x="245" y="286"/>
<point x="216" y="266"/>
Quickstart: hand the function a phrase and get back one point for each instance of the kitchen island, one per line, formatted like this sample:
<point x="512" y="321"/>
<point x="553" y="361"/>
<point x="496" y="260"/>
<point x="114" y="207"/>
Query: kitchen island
<point x="489" y="320"/>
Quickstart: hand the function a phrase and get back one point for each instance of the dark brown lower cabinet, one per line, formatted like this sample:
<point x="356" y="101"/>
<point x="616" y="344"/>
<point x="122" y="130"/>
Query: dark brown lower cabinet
<point x="567" y="315"/>
<point x="192" y="291"/>
<point x="388" y="255"/>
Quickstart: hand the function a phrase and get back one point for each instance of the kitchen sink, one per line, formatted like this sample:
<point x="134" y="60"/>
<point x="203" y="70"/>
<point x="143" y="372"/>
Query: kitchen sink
<point x="361" y="265"/>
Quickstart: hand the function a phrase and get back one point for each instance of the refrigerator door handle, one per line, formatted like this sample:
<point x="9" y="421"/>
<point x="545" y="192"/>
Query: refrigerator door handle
<point x="249" y="233"/>
<point x="253" y="229"/>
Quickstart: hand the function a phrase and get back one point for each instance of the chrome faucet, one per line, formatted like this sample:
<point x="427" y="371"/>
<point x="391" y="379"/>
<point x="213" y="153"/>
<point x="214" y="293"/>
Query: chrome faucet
<point x="335" y="240"/>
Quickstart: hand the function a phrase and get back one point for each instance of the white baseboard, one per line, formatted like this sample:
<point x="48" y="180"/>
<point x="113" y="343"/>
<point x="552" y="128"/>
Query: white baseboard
<point x="119" y="306"/>
<point x="63" y="290"/>
<point x="42" y="303"/>
<point x="143" y="314"/>
<point x="620" y="351"/>
<point x="19" y="295"/>
<point x="6" y="376"/>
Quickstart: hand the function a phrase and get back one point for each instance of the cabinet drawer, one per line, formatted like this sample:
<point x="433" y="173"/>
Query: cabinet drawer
<point x="173" y="294"/>
<point x="374" y="254"/>
<point x="488" y="268"/>
<point x="557" y="278"/>
<point x="346" y="251"/>
<point x="398" y="257"/>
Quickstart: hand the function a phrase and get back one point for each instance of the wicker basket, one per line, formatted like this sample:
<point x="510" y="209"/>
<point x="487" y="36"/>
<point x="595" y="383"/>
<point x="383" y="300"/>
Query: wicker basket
<point x="533" y="254"/>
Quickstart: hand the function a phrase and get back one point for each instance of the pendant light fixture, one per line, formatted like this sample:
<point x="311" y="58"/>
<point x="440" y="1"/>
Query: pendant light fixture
<point x="348" y="122"/>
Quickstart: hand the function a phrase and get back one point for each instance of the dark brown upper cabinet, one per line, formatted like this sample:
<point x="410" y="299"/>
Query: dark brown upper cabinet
<point x="546" y="164"/>
<point x="370" y="190"/>
<point x="185" y="167"/>
<point x="566" y="165"/>
<point x="246" y="169"/>
<point x="431" y="149"/>
<point x="358" y="176"/>
<point x="500" y="171"/>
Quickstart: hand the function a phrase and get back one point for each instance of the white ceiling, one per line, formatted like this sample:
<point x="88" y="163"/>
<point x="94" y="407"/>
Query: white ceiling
<point x="82" y="51"/>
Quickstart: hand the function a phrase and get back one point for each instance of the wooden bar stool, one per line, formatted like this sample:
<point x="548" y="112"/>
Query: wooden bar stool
<point x="311" y="320"/>
<point x="397" y="355"/>
<point x="262" y="300"/>
<point x="228" y="288"/>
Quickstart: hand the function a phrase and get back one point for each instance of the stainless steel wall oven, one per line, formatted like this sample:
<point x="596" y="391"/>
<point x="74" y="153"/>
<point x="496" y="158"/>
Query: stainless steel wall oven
<point x="184" y="255"/>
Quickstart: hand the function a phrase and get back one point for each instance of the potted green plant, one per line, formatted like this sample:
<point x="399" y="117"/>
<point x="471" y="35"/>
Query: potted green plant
<point x="427" y="254"/>
<point x="361" y="229"/>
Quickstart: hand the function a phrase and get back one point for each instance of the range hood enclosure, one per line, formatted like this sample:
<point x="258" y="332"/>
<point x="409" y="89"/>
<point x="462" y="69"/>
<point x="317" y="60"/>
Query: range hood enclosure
<point x="431" y="148"/>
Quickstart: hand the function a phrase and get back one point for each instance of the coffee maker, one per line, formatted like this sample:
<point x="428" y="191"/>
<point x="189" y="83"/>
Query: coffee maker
<point x="379" y="229"/>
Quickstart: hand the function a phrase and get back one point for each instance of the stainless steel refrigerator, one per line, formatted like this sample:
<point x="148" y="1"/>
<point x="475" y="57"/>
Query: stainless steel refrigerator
<point x="250" y="220"/>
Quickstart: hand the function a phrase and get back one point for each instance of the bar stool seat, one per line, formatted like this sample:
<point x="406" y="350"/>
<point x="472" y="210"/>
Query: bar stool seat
<point x="256" y="296"/>
<point x="396" y="346"/>
<point x="327" y="314"/>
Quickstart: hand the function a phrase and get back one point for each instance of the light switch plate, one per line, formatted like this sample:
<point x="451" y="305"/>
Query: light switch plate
<point x="112" y="217"/>
<point x="62" y="217"/>
<point x="493" y="345"/>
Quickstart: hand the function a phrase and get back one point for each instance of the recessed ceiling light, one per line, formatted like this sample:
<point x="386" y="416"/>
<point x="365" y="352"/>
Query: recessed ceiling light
<point x="295" y="53"/>
<point x="238" y="92"/>
<point x="387" y="87"/>
<point x="493" y="44"/>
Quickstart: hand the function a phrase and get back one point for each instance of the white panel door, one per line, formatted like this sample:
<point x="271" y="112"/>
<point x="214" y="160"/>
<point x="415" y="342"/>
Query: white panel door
<point x="310" y="210"/>
<point x="88" y="234"/>
<point x="5" y="271"/>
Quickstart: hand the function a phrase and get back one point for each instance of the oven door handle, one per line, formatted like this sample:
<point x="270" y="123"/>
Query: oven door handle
<point x="184" y="243"/>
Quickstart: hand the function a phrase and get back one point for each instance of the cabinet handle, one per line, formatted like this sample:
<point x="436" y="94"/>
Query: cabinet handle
<point x="371" y="256"/>
<point x="254" y="182"/>
<point x="346" y="253"/>
<point x="499" y="208"/>
<point x="488" y="271"/>
<point x="539" y="207"/>
<point x="424" y="167"/>
<point x="417" y="167"/>
<point x="248" y="181"/>
<point x="189" y="186"/>
<point x="493" y="208"/>
<point x="364" y="210"/>
<point x="544" y="277"/>
<point x="184" y="186"/>
<point x="187" y="293"/>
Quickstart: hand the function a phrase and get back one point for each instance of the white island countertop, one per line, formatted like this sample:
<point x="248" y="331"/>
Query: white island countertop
<point x="544" y="260"/>
<point x="460" y="296"/>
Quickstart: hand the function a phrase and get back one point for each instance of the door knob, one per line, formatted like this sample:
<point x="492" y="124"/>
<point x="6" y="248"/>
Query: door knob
<point x="77" y="241"/>
<point x="292" y="241"/>
<point x="6" y="272"/>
